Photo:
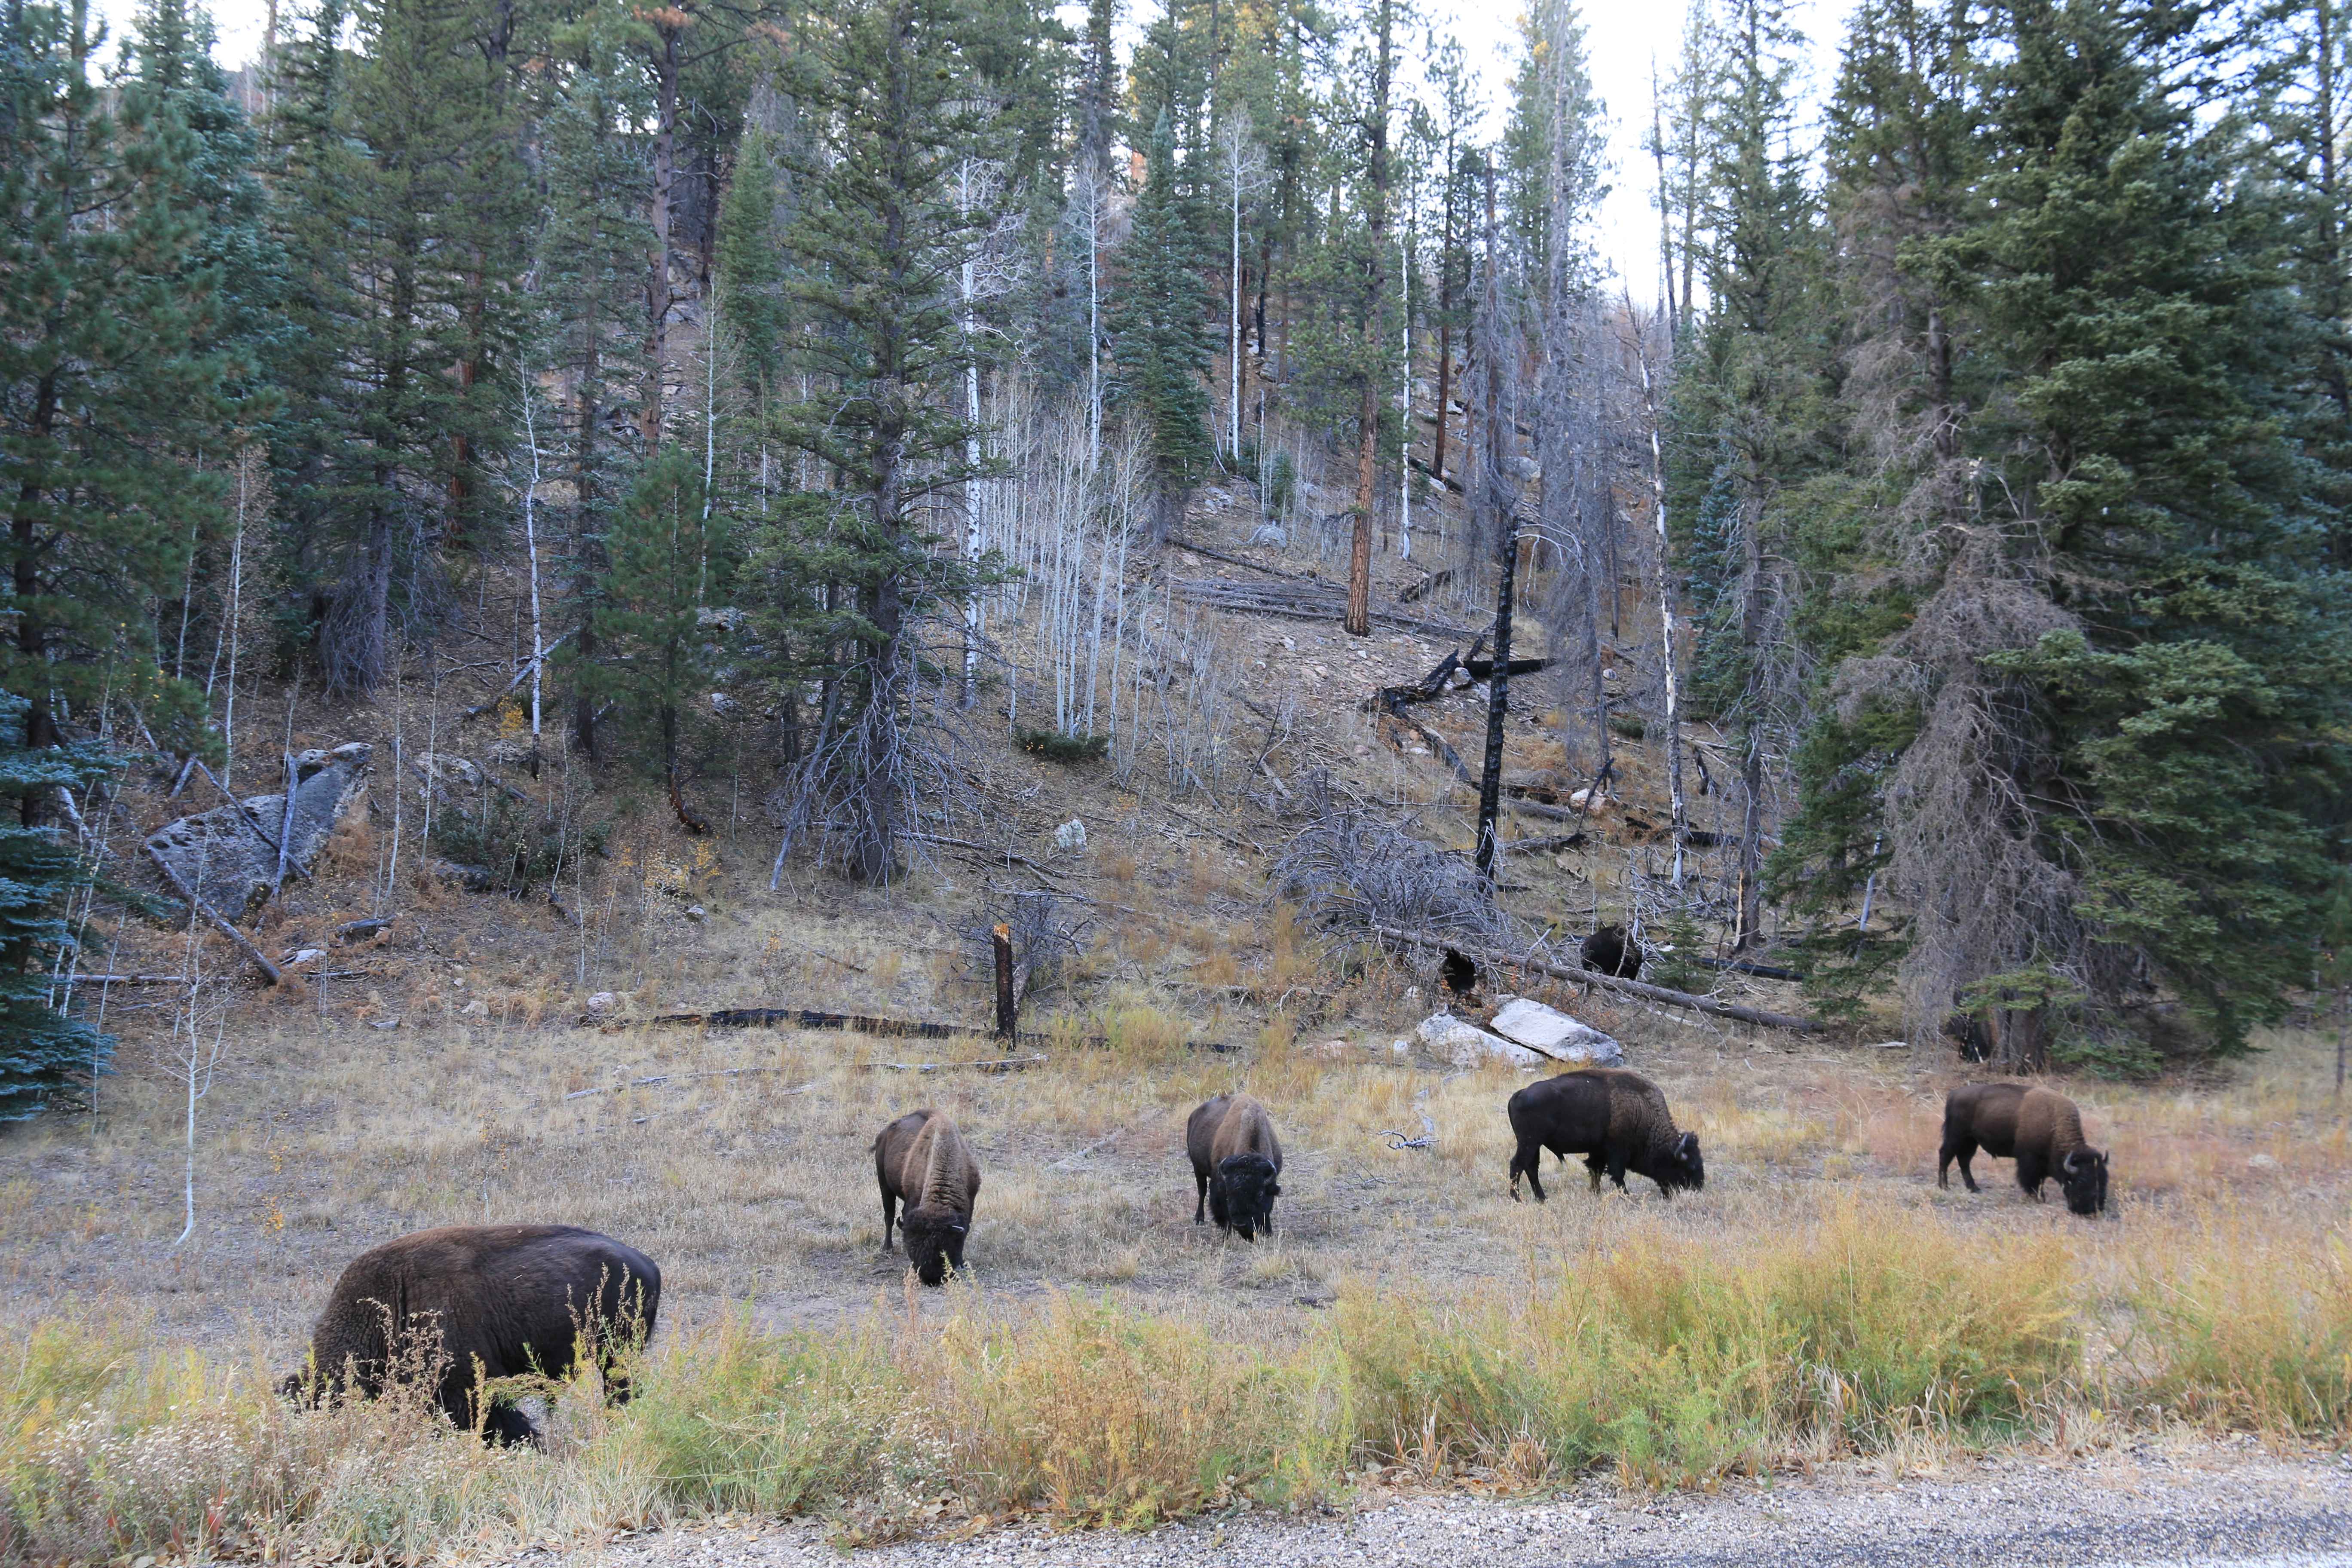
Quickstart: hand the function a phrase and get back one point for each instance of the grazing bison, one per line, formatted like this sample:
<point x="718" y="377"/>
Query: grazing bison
<point x="1236" y="1161"/>
<point x="1610" y="951"/>
<point x="1617" y="1120"/>
<point x="922" y="1161"/>
<point x="2039" y="1128"/>
<point x="467" y="1302"/>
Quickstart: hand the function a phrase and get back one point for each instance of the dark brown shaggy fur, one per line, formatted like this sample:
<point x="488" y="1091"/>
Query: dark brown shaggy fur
<point x="1236" y="1161"/>
<point x="2039" y="1128"/>
<point x="1617" y="1120"/>
<point x="1610" y="951"/>
<point x="922" y="1161"/>
<point x="466" y="1302"/>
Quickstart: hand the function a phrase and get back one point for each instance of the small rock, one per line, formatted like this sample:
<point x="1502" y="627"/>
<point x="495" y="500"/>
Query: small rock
<point x="386" y="1023"/>
<point x="696" y="913"/>
<point x="1584" y="797"/>
<point x="1400" y="1048"/>
<point x="1327" y="1050"/>
<point x="306" y="955"/>
<point x="603" y="1002"/>
<point x="1269" y="533"/>
<point x="473" y="1009"/>
<point x="1071" y="834"/>
<point x="2261" y="1163"/>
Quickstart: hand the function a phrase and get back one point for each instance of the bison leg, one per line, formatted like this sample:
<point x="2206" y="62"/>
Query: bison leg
<point x="1593" y="1168"/>
<point x="889" y="1216"/>
<point x="1964" y="1152"/>
<point x="2031" y="1173"/>
<point x="1200" y="1198"/>
<point x="1617" y="1170"/>
<point x="506" y="1426"/>
<point x="1528" y="1162"/>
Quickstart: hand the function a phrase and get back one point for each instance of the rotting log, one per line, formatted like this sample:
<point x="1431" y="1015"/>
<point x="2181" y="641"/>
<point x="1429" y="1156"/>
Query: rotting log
<point x="999" y="1064"/>
<point x="1721" y="1009"/>
<point x="214" y="919"/>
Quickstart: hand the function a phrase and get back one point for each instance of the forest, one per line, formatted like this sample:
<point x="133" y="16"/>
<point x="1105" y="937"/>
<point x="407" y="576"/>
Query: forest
<point x="1972" y="465"/>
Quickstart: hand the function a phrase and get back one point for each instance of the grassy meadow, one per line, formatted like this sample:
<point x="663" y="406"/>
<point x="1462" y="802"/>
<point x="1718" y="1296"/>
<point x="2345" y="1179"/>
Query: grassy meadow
<point x="1104" y="1361"/>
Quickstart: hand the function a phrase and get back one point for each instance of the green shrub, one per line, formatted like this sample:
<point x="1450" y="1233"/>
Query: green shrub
<point x="1061" y="746"/>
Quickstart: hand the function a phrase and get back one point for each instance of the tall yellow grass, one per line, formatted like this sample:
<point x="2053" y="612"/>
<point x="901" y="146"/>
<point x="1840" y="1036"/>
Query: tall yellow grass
<point x="1664" y="1359"/>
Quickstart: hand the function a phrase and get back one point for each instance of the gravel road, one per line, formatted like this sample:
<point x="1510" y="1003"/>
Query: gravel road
<point x="2213" y="1507"/>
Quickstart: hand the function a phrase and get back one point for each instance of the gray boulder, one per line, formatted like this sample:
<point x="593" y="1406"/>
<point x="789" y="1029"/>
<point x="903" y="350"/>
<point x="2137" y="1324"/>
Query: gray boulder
<point x="1557" y="1035"/>
<point x="229" y="856"/>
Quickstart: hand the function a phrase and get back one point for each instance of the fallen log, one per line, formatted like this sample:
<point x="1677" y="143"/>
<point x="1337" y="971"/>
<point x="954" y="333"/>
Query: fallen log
<point x="1238" y="561"/>
<point x="214" y="919"/>
<point x="812" y="1019"/>
<point x="1721" y="1009"/>
<point x="1000" y="1064"/>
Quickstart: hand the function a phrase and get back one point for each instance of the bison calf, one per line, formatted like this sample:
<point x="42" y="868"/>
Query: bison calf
<point x="469" y="1302"/>
<point x="1235" y="1163"/>
<point x="922" y="1161"/>
<point x="1617" y="1120"/>
<point x="2039" y="1128"/>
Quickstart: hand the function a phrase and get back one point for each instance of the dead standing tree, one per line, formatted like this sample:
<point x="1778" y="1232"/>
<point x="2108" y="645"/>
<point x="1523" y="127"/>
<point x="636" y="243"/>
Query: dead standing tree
<point x="1496" y="493"/>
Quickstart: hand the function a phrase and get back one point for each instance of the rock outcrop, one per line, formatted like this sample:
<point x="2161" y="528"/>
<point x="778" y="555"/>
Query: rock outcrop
<point x="229" y="857"/>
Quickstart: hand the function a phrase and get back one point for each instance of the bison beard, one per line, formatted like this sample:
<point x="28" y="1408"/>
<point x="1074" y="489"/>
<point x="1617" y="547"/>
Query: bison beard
<point x="465" y="1303"/>
<point x="1617" y="1120"/>
<point x="1236" y="1165"/>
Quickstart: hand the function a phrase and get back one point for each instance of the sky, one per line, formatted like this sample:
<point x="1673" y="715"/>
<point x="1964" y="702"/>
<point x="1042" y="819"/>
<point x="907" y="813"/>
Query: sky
<point x="1622" y="37"/>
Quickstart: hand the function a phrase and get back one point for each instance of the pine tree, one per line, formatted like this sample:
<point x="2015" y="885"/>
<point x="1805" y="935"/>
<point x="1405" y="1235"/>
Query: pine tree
<point x="112" y="378"/>
<point x="1751" y="395"/>
<point x="879" y="246"/>
<point x="1161" y="335"/>
<point x="399" y="180"/>
<point x="588" y="323"/>
<point x="1905" y="173"/>
<point x="43" y="1052"/>
<point x="669" y="557"/>
<point x="2191" y="688"/>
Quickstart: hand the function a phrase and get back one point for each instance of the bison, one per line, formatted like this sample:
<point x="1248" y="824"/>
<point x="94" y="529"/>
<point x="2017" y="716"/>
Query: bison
<point x="922" y="1161"/>
<point x="465" y="1303"/>
<point x="1617" y="1120"/>
<point x="1610" y="951"/>
<point x="2039" y="1128"/>
<point x="1236" y="1161"/>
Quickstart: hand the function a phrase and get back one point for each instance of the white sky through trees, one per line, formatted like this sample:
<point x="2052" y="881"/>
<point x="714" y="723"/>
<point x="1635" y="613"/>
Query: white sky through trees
<point x="1622" y="38"/>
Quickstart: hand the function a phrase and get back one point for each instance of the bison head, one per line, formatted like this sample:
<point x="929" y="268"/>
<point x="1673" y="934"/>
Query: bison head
<point x="1684" y="1167"/>
<point x="2083" y="1176"/>
<point x="1246" y="1189"/>
<point x="934" y="1241"/>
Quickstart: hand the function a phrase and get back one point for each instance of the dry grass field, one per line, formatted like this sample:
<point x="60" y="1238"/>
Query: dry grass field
<point x="1106" y="1361"/>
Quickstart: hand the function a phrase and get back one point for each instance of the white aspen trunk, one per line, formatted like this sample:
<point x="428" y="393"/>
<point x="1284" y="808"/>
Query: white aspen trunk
<point x="709" y="443"/>
<point x="1233" y="402"/>
<point x="392" y="873"/>
<point x="531" y="548"/>
<point x="236" y="613"/>
<point x="973" y="497"/>
<point x="1404" y="400"/>
<point x="1094" y="320"/>
<point x="1665" y="614"/>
